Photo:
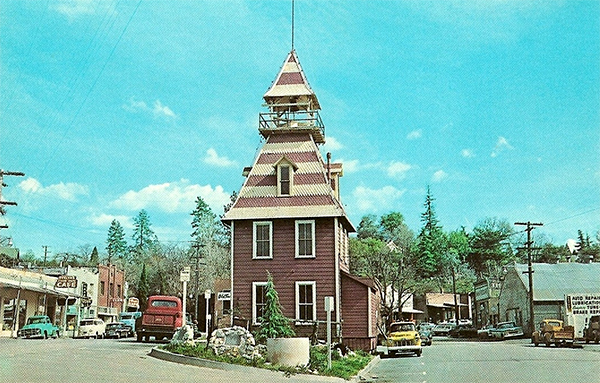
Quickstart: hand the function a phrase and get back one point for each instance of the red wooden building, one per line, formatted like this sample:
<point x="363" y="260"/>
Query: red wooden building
<point x="288" y="220"/>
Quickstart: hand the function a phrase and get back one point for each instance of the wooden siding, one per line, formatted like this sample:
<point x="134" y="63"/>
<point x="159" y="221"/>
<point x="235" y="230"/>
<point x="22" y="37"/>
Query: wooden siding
<point x="284" y="267"/>
<point x="359" y="301"/>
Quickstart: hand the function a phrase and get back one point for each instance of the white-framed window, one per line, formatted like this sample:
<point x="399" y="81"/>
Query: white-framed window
<point x="262" y="240"/>
<point x="306" y="297"/>
<point x="258" y="300"/>
<point x="305" y="239"/>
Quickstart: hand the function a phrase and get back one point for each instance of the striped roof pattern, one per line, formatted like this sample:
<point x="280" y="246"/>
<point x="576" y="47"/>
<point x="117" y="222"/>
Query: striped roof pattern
<point x="312" y="195"/>
<point x="291" y="81"/>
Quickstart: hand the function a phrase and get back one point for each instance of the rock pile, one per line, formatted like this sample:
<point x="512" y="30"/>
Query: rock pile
<point x="234" y="342"/>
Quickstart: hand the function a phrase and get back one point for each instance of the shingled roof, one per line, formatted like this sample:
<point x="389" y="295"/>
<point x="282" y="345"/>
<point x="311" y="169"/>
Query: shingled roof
<point x="291" y="82"/>
<point x="313" y="195"/>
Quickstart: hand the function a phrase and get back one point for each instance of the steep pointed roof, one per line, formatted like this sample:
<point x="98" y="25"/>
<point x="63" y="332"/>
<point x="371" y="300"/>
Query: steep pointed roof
<point x="312" y="195"/>
<point x="291" y="82"/>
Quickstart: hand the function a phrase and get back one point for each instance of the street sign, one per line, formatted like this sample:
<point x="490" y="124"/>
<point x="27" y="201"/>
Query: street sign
<point x="184" y="276"/>
<point x="66" y="282"/>
<point x="224" y="295"/>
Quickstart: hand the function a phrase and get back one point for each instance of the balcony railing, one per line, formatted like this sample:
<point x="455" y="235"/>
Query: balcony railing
<point x="309" y="121"/>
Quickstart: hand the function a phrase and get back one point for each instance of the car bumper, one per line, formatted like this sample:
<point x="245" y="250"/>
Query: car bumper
<point x="387" y="349"/>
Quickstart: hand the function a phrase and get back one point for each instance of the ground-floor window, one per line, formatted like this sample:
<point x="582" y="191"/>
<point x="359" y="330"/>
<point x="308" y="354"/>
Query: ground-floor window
<point x="306" y="309"/>
<point x="258" y="300"/>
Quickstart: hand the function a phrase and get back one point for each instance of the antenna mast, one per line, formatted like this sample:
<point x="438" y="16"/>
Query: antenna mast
<point x="292" y="24"/>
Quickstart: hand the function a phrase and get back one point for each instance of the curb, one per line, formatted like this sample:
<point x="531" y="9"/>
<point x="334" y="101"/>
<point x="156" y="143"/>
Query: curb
<point x="198" y="362"/>
<point x="360" y="376"/>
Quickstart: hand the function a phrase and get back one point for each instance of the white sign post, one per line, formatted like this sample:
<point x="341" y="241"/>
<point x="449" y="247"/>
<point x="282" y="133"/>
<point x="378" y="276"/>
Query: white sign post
<point x="329" y="309"/>
<point x="207" y="294"/>
<point x="184" y="277"/>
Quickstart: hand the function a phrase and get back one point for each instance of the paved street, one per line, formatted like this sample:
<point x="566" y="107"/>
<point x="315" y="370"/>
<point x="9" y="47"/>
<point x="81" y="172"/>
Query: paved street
<point x="103" y="361"/>
<point x="90" y="360"/>
<point x="505" y="362"/>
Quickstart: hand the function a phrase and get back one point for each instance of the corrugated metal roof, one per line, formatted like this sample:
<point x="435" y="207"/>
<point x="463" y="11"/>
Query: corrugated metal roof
<point x="552" y="281"/>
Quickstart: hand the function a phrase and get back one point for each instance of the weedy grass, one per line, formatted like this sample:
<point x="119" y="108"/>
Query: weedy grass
<point x="341" y="367"/>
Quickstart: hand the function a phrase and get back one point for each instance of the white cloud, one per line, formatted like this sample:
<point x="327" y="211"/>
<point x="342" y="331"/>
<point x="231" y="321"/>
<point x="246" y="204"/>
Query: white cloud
<point x="368" y="199"/>
<point x="398" y="169"/>
<point x="501" y="145"/>
<point x="349" y="166"/>
<point x="467" y="153"/>
<point x="332" y="144"/>
<point x="75" y="8"/>
<point x="157" y="111"/>
<point x="174" y="197"/>
<point x="65" y="191"/>
<point x="212" y="158"/>
<point x="161" y="110"/>
<point x="439" y="176"/>
<point x="415" y="134"/>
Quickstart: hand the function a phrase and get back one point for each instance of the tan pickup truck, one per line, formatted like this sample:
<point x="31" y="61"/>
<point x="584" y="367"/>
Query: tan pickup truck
<point x="552" y="331"/>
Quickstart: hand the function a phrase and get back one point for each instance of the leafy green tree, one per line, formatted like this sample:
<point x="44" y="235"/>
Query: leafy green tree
<point x="368" y="227"/>
<point x="383" y="252"/>
<point x="431" y="241"/>
<point x="116" y="245"/>
<point x="490" y="247"/>
<point x="273" y="323"/>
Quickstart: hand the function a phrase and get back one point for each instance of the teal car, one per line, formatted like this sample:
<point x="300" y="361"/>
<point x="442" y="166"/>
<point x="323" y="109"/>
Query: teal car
<point x="39" y="326"/>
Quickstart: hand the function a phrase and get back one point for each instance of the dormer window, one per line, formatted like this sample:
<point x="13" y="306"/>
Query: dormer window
<point x="284" y="180"/>
<point x="284" y="170"/>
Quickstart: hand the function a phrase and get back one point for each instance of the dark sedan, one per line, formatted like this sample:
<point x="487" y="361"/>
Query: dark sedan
<point x="118" y="330"/>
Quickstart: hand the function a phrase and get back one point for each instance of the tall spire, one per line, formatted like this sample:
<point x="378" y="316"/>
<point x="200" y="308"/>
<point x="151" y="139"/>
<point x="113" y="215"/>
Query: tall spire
<point x="292" y="24"/>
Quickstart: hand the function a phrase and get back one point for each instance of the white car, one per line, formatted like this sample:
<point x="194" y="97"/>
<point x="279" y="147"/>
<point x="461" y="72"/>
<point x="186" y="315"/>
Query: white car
<point x="91" y="328"/>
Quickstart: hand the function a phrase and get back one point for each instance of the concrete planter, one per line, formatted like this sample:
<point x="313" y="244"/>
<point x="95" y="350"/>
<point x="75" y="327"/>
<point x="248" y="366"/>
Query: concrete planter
<point x="288" y="351"/>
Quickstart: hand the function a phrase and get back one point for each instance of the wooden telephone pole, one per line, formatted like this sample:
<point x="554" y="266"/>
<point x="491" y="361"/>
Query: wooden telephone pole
<point x="2" y="184"/>
<point x="530" y="227"/>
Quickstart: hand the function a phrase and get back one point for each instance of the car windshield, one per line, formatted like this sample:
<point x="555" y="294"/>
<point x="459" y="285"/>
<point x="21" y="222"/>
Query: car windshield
<point x="402" y="327"/>
<point x="112" y="325"/>
<point x="126" y="316"/>
<point x="36" y="320"/>
<point x="86" y="323"/>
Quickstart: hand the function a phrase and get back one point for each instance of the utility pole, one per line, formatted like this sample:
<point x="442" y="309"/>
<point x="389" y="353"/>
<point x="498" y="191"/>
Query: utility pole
<point x="2" y="184"/>
<point x="530" y="227"/>
<point x="45" y="253"/>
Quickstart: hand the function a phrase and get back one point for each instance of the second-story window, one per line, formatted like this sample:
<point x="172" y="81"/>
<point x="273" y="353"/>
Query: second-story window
<point x="102" y="288"/>
<point x="261" y="246"/>
<point x="305" y="239"/>
<point x="284" y="180"/>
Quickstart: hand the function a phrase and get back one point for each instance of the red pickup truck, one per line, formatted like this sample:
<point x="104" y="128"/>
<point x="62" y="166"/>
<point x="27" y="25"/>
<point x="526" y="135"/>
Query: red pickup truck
<point x="162" y="318"/>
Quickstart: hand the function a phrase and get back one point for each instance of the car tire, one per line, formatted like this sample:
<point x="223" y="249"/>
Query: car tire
<point x="419" y="353"/>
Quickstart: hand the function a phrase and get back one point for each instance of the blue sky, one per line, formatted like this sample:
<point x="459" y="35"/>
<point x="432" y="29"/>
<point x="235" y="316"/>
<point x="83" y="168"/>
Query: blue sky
<point x="116" y="106"/>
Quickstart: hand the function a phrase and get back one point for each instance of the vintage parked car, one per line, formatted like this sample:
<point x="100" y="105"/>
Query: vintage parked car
<point x="91" y="328"/>
<point x="442" y="329"/>
<point x="426" y="336"/>
<point x="505" y="330"/>
<point x="39" y="326"/>
<point x="463" y="331"/>
<point x="402" y="337"/>
<point x="129" y="318"/>
<point x="118" y="330"/>
<point x="484" y="332"/>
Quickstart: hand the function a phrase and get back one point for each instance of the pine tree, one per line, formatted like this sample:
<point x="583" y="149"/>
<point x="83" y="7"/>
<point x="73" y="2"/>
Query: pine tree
<point x="431" y="241"/>
<point x="94" y="258"/>
<point x="142" y="288"/>
<point x="204" y="224"/>
<point x="143" y="237"/>
<point x="116" y="246"/>
<point x="273" y="323"/>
